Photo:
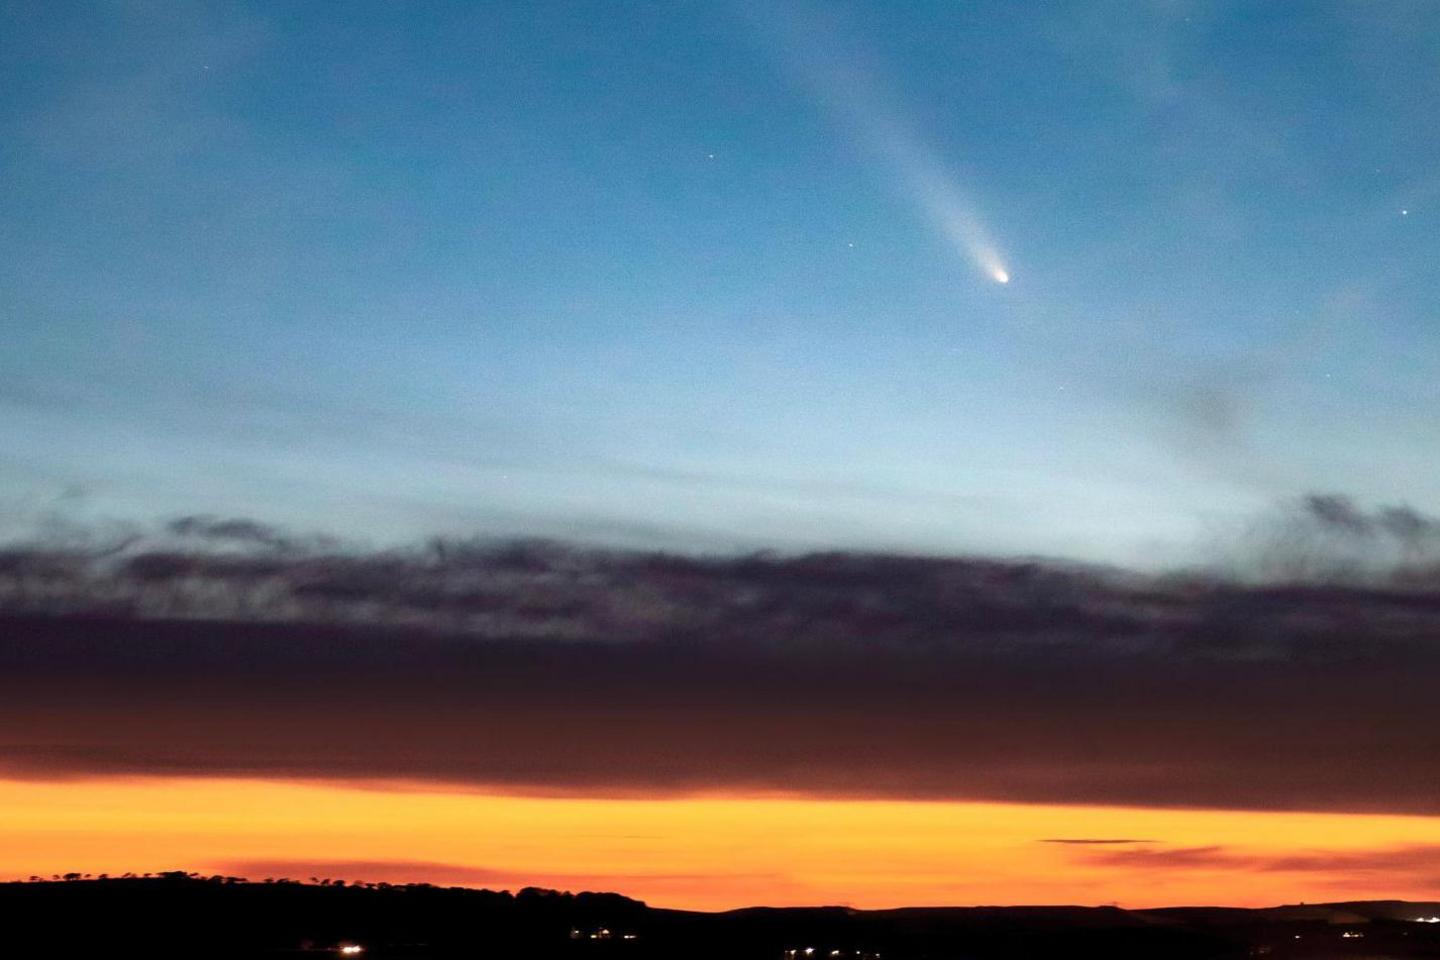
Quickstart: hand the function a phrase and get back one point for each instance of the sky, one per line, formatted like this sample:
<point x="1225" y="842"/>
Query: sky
<point x="708" y="276"/>
<point x="965" y="452"/>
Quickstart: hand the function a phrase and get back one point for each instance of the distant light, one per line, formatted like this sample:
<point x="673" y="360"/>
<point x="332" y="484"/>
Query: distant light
<point x="999" y="275"/>
<point x="352" y="949"/>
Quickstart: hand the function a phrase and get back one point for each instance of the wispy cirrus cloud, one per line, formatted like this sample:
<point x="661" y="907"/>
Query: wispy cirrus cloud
<point x="1415" y="867"/>
<point x="1094" y="841"/>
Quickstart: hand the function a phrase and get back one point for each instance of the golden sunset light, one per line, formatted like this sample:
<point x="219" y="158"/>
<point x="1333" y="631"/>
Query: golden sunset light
<point x="711" y="853"/>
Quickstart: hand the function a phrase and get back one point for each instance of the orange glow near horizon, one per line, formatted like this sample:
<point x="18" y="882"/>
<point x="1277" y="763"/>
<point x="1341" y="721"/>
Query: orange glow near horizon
<point x="712" y="852"/>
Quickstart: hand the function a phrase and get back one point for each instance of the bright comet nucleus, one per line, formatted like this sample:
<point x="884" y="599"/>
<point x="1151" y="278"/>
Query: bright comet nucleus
<point x="999" y="275"/>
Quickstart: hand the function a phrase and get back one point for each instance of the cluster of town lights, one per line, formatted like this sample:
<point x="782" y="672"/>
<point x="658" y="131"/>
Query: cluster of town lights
<point x="603" y="933"/>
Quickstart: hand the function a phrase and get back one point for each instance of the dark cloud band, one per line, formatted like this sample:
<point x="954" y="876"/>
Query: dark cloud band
<point x="82" y="697"/>
<point x="225" y="647"/>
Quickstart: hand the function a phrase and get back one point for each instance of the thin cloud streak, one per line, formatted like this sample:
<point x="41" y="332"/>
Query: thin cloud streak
<point x="1086" y="841"/>
<point x="1413" y="867"/>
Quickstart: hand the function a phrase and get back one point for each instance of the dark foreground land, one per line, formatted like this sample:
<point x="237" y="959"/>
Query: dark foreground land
<point x="185" y="916"/>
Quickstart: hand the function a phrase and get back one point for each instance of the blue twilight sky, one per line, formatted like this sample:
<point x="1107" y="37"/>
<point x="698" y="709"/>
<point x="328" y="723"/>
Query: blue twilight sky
<point x="720" y="274"/>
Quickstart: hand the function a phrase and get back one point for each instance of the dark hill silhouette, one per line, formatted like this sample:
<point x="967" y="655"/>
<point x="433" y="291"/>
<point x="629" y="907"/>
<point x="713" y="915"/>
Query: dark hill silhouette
<point x="180" y="915"/>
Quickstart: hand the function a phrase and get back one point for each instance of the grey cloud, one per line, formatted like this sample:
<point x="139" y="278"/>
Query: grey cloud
<point x="236" y="531"/>
<point x="547" y="667"/>
<point x="1337" y="513"/>
<point x="1326" y="537"/>
<point x="1313" y="600"/>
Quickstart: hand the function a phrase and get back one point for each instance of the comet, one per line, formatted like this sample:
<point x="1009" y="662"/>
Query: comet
<point x="853" y="95"/>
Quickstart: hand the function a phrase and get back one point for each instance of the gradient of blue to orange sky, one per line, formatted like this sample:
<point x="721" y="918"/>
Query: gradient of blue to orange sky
<point x="1100" y="281"/>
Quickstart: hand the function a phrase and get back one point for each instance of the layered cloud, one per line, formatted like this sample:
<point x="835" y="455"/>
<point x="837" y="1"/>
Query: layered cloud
<point x="1393" y="868"/>
<point x="225" y="648"/>
<point x="1320" y="578"/>
<point x="1421" y="857"/>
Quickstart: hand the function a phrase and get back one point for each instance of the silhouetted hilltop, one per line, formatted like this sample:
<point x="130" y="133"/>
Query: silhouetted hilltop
<point x="175" y="915"/>
<point x="1355" y="911"/>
